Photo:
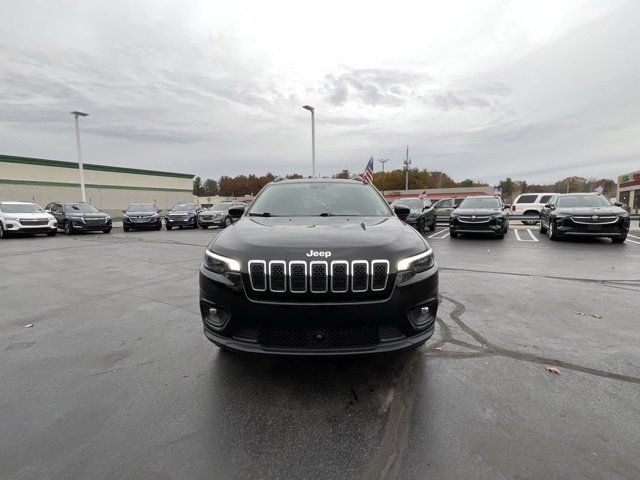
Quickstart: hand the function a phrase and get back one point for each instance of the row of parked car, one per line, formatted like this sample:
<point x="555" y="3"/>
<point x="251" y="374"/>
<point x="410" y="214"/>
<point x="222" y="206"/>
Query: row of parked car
<point x="72" y="217"/>
<point x="559" y="215"/>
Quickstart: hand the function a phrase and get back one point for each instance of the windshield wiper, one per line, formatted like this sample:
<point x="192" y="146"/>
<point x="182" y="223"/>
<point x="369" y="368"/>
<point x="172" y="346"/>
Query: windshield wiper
<point x="326" y="214"/>
<point x="263" y="214"/>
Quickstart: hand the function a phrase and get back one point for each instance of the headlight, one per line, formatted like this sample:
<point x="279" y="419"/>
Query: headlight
<point x="417" y="263"/>
<point x="219" y="264"/>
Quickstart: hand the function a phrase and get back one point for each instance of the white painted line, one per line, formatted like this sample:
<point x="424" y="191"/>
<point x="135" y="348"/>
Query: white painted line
<point x="532" y="235"/>
<point x="445" y="236"/>
<point x="438" y="233"/>
<point x="633" y="241"/>
<point x="517" y="235"/>
<point x="629" y="235"/>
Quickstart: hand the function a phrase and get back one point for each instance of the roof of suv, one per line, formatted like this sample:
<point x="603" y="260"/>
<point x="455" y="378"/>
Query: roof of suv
<point x="18" y="203"/>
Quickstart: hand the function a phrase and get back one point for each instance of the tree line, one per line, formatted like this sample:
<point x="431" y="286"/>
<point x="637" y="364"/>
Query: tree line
<point x="512" y="188"/>
<point x="394" y="180"/>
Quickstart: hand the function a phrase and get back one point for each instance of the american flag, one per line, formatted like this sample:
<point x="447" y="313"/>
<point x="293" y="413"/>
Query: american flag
<point x="497" y="191"/>
<point x="423" y="195"/>
<point x="367" y="176"/>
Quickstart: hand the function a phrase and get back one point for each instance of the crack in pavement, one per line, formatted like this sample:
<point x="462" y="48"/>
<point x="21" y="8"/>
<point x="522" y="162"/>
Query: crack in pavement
<point x="486" y="348"/>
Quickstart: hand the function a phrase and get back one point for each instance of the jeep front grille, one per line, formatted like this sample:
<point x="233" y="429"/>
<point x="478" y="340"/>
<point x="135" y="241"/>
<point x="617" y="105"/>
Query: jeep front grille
<point x="299" y="276"/>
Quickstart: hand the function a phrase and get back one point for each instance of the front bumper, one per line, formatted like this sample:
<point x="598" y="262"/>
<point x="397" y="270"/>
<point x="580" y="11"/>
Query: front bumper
<point x="318" y="329"/>
<point x="17" y="227"/>
<point x="211" y="222"/>
<point x="153" y="223"/>
<point x="493" y="226"/>
<point x="567" y="227"/>
<point x="90" y="227"/>
<point x="180" y="222"/>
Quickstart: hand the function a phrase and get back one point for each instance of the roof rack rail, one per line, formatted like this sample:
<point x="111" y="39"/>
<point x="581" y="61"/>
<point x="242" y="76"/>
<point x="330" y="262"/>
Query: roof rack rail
<point x="358" y="178"/>
<point x="279" y="179"/>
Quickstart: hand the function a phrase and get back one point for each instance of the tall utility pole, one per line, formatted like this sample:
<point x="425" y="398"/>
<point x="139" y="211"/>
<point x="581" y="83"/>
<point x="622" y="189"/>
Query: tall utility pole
<point x="407" y="162"/>
<point x="313" y="139"/>
<point x="383" y="162"/>
<point x="77" y="114"/>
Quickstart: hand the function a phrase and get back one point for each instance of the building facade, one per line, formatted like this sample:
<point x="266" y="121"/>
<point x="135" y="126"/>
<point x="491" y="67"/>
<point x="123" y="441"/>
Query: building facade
<point x="108" y="188"/>
<point x="629" y="191"/>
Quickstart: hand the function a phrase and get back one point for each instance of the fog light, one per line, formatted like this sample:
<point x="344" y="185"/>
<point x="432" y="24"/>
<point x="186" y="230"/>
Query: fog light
<point x="423" y="316"/>
<point x="215" y="318"/>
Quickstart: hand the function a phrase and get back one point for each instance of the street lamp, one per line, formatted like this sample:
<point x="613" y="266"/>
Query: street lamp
<point x="383" y="162"/>
<point x="313" y="139"/>
<point x="77" y="114"/>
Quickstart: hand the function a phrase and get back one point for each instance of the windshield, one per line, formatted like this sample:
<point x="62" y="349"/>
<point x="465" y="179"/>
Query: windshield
<point x="483" y="202"/>
<point x="221" y="207"/>
<point x="412" y="203"/>
<point x="141" y="208"/>
<point x="184" y="208"/>
<point x="80" y="208"/>
<point x="20" y="208"/>
<point x="319" y="199"/>
<point x="571" y="201"/>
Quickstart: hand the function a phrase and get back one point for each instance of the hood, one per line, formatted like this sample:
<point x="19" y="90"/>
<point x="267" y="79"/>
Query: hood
<point x="296" y="238"/>
<point x="612" y="210"/>
<point x="33" y="216"/>
<point x="139" y="214"/>
<point x="476" y="211"/>
<point x="87" y="214"/>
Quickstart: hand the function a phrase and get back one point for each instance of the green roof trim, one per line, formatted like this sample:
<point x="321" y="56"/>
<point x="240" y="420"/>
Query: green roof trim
<point x="91" y="166"/>
<point x="90" y="185"/>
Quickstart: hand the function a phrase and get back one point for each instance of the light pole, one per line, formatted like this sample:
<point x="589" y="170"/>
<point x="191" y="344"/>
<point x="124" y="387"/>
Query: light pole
<point x="77" y="114"/>
<point x="407" y="162"/>
<point x="313" y="139"/>
<point x="383" y="162"/>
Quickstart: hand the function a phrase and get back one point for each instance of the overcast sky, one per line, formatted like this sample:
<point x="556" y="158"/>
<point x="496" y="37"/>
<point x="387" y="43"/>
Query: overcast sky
<point x="534" y="89"/>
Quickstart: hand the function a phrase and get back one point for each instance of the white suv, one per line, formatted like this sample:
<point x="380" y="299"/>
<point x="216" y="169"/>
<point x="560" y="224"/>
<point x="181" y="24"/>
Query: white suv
<point x="530" y="204"/>
<point x="23" y="217"/>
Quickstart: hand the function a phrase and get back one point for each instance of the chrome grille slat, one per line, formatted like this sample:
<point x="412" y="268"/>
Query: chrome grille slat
<point x="298" y="276"/>
<point x="477" y="219"/>
<point x="278" y="276"/>
<point x="359" y="276"/>
<point x="379" y="274"/>
<point x="258" y="275"/>
<point x="600" y="220"/>
<point x="339" y="276"/>
<point x="318" y="276"/>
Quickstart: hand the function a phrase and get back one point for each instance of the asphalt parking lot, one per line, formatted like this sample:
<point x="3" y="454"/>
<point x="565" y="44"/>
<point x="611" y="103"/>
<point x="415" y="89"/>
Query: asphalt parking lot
<point x="114" y="378"/>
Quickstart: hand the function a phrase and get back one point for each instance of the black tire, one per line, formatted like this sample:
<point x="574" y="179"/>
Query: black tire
<point x="227" y="222"/>
<point x="195" y="223"/>
<point x="553" y="235"/>
<point x="432" y="227"/>
<point x="52" y="233"/>
<point x="168" y="227"/>
<point x="159" y="226"/>
<point x="2" y="232"/>
<point x="543" y="229"/>
<point x="532" y="213"/>
<point x="453" y="234"/>
<point x="619" y="239"/>
<point x="106" y="230"/>
<point x="420" y="225"/>
<point x="68" y="228"/>
<point x="125" y="229"/>
<point x="500" y="235"/>
<point x="204" y="227"/>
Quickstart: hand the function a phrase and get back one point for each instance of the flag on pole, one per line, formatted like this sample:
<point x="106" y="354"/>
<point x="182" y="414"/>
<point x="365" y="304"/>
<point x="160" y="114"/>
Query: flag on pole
<point x="599" y="189"/>
<point x="497" y="191"/>
<point x="423" y="195"/>
<point x="367" y="176"/>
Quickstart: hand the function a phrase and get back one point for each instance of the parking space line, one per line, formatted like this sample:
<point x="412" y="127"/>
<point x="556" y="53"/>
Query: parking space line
<point x="521" y="239"/>
<point x="438" y="233"/>
<point x="633" y="241"/>
<point x="629" y="235"/>
<point x="532" y="235"/>
<point x="517" y="235"/>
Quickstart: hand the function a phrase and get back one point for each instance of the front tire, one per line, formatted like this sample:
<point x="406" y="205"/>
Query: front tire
<point x="619" y="239"/>
<point x="204" y="227"/>
<point x="125" y="229"/>
<point x="51" y="233"/>
<point x="453" y="234"/>
<point x="158" y="227"/>
<point x="106" y="230"/>
<point x="553" y="233"/>
<point x="68" y="228"/>
<point x="543" y="229"/>
<point x="2" y="233"/>
<point x="168" y="227"/>
<point x="432" y="227"/>
<point x="227" y="222"/>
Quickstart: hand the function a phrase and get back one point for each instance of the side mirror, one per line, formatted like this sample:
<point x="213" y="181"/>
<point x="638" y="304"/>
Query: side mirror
<point x="124" y="211"/>
<point x="550" y="206"/>
<point x="401" y="211"/>
<point x="236" y="212"/>
<point x="618" y="204"/>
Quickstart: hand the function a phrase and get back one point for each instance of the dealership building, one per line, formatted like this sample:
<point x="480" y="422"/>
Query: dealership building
<point x="108" y="188"/>
<point x="629" y="191"/>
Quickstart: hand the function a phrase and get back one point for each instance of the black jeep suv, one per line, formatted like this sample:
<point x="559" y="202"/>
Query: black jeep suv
<point x="75" y="217"/>
<point x="585" y="215"/>
<point x="141" y="216"/>
<point x="318" y="267"/>
<point x="479" y="215"/>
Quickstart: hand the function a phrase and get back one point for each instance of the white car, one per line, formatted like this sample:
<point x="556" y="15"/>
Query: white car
<point x="23" y="217"/>
<point x="530" y="204"/>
